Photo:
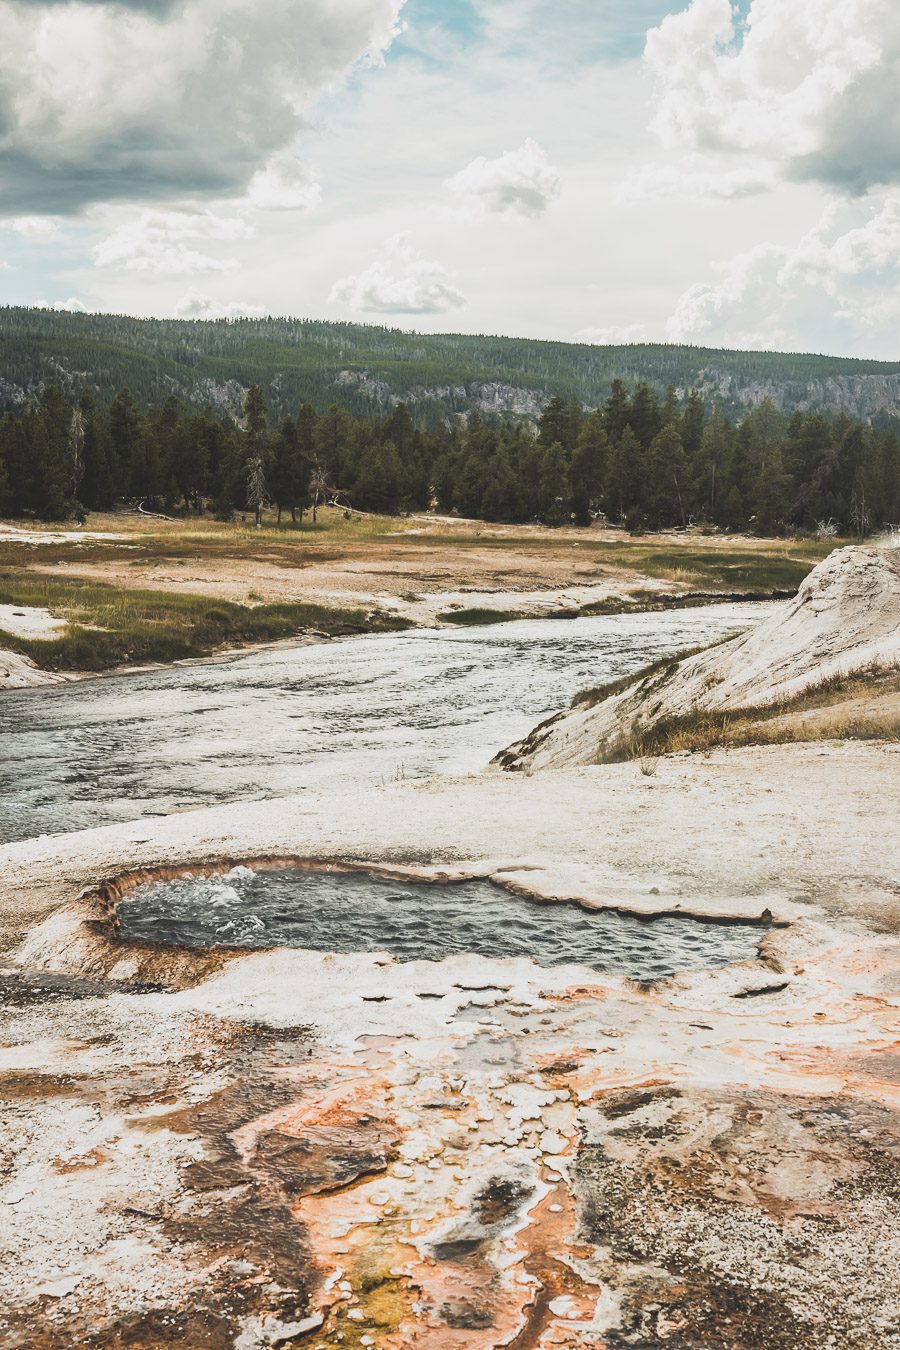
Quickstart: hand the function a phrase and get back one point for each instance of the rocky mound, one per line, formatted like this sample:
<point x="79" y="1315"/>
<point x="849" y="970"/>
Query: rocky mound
<point x="18" y="672"/>
<point x="844" y="619"/>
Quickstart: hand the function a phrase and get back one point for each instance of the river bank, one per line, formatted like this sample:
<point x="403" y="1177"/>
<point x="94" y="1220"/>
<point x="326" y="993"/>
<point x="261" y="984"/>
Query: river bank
<point x="300" y="716"/>
<point x="157" y="592"/>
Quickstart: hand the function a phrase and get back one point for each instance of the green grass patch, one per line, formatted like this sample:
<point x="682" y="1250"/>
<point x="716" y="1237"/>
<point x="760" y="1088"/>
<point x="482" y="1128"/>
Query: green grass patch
<point x="739" y="572"/>
<point x="111" y="627"/>
<point x="474" y="618"/>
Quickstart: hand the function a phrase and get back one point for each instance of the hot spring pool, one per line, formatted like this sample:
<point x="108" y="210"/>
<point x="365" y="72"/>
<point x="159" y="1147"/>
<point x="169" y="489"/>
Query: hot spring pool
<point x="418" y="922"/>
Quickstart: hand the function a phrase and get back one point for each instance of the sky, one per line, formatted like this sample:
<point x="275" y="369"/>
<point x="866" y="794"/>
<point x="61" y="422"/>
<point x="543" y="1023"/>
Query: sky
<point x="718" y="173"/>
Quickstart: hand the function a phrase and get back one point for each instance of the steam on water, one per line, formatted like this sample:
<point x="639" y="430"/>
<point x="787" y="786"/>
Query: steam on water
<point x="419" y="922"/>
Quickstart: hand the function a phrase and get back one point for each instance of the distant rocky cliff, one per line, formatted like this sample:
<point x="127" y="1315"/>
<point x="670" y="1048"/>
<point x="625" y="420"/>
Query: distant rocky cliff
<point x="368" y="370"/>
<point x="858" y="395"/>
<point x="485" y="396"/>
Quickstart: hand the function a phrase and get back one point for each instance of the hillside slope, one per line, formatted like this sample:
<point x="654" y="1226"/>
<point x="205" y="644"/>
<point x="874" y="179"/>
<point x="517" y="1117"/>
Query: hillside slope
<point x="367" y="369"/>
<point x="844" y="619"/>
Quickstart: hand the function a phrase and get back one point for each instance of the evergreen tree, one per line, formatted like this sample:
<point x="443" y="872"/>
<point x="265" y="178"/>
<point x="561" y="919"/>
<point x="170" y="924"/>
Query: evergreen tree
<point x="588" y="468"/>
<point x="616" y="411"/>
<point x="708" y="465"/>
<point x="191" y="461"/>
<point x="771" y="497"/>
<point x="49" y="437"/>
<point x="501" y="500"/>
<point x="256" y="451"/>
<point x="6" y="492"/>
<point x="624" y="477"/>
<point x="693" y="421"/>
<point x="670" y="412"/>
<point x="99" y="486"/>
<point x="553" y="500"/>
<point x="763" y="471"/>
<point x="644" y="416"/>
<point x="291" y="471"/>
<point x="379" y="486"/>
<point x="124" y="432"/>
<point x="334" y="434"/>
<point x="664" y="491"/>
<point x="553" y="423"/>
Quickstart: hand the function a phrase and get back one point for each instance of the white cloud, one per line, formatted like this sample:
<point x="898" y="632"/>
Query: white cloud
<point x="837" y="290"/>
<point x="807" y="89"/>
<point x="154" y="242"/>
<point x="519" y="182"/>
<point x="615" y="335"/>
<point x="194" y="97"/>
<point x="399" y="281"/>
<point x="285" y="184"/>
<point x="71" y="306"/>
<point x="32" y="227"/>
<point x="697" y="176"/>
<point x="194" y="305"/>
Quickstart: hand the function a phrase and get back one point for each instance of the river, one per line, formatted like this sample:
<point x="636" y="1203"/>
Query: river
<point x="277" y="721"/>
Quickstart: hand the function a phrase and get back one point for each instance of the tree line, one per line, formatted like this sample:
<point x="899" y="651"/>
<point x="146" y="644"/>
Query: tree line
<point x="363" y="367"/>
<point x="640" y="460"/>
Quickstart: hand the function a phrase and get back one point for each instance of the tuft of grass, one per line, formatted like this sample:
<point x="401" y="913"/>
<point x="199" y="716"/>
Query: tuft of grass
<point x="779" y="723"/>
<point x="473" y="618"/>
<point x="111" y="627"/>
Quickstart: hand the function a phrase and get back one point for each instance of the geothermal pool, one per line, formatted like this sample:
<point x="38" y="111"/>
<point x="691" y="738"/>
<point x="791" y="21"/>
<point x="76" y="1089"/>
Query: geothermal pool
<point x="419" y="922"/>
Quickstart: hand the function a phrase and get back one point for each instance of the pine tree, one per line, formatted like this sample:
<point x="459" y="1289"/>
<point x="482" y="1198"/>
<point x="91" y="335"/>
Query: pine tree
<point x="49" y="435"/>
<point x="291" y="471"/>
<point x="615" y="411"/>
<point x="379" y="486"/>
<point x="693" y="422"/>
<point x="15" y="454"/>
<point x="400" y="429"/>
<point x="588" y="468"/>
<point x="670" y="412"/>
<point x="500" y="500"/>
<point x="644" y="416"/>
<point x="554" y="423"/>
<point x="708" y="465"/>
<point x="553" y="502"/>
<point x="99" y="487"/>
<point x="624" y="486"/>
<point x="124" y="430"/>
<point x="6" y="492"/>
<point x="256" y="451"/>
<point x="664" y="491"/>
<point x="771" y="497"/>
<point x="190" y="462"/>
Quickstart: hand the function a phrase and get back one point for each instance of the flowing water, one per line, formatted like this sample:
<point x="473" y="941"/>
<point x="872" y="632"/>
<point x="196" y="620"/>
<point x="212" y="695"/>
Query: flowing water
<point x="418" y="922"/>
<point x="278" y="721"/>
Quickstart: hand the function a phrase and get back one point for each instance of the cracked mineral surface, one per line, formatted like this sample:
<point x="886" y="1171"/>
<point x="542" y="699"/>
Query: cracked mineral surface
<point x="224" y="1148"/>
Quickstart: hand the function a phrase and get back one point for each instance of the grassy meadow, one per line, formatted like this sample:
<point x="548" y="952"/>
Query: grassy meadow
<point x="135" y="598"/>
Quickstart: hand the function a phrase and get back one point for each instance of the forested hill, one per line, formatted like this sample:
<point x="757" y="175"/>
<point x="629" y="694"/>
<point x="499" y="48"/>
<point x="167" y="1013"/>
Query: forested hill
<point x="367" y="370"/>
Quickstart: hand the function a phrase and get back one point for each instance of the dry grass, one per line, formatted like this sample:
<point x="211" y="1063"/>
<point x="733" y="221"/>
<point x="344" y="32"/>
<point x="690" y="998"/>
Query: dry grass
<point x="718" y="564"/>
<point x="665" y="666"/>
<point x="171" y="589"/>
<point x="862" y="706"/>
<point x="109" y="626"/>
